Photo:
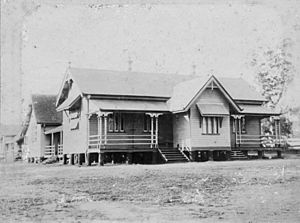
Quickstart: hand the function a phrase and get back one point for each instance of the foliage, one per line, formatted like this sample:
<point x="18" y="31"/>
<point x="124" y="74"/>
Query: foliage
<point x="274" y="71"/>
<point x="286" y="126"/>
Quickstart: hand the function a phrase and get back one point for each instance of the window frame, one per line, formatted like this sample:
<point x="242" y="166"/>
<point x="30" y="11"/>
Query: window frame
<point x="146" y="123"/>
<point x="116" y="122"/>
<point x="211" y="125"/>
<point x="236" y="126"/>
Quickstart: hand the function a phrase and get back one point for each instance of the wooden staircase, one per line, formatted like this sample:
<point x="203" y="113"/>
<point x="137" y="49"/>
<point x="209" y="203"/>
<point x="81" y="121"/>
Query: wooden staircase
<point x="236" y="154"/>
<point x="173" y="155"/>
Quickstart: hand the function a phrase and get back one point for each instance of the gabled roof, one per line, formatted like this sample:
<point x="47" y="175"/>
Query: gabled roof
<point x="125" y="83"/>
<point x="186" y="92"/>
<point x="44" y="109"/>
<point x="239" y="89"/>
<point x="177" y="91"/>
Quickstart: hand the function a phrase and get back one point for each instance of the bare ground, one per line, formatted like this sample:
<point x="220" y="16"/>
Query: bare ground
<point x="239" y="191"/>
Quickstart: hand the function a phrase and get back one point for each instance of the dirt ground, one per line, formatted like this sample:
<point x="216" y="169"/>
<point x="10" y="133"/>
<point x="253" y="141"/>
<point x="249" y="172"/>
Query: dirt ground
<point x="232" y="191"/>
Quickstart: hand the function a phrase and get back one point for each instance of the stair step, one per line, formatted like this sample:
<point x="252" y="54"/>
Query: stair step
<point x="237" y="155"/>
<point x="173" y="155"/>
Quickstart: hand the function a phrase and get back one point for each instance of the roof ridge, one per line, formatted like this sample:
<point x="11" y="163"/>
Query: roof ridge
<point x="133" y="72"/>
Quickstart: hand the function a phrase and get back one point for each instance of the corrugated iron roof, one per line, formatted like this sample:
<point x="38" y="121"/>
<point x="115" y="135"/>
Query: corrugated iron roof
<point x="216" y="109"/>
<point x="177" y="89"/>
<point x="105" y="82"/>
<point x="184" y="92"/>
<point x="44" y="109"/>
<point x="258" y="110"/>
<point x="239" y="89"/>
<point x="54" y="130"/>
<point x="130" y="105"/>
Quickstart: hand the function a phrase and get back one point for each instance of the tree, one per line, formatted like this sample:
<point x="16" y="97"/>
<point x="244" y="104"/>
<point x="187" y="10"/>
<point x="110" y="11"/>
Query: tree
<point x="274" y="73"/>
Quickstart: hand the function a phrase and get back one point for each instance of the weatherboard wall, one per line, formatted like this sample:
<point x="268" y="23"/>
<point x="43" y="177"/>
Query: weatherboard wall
<point x="75" y="141"/>
<point x="34" y="136"/>
<point x="200" y="140"/>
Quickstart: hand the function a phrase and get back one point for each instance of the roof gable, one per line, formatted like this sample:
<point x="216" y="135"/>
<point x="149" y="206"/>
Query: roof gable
<point x="44" y="109"/>
<point x="187" y="92"/>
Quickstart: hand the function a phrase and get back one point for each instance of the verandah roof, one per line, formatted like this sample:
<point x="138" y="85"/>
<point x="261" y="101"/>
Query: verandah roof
<point x="54" y="130"/>
<point x="129" y="105"/>
<point x="258" y="110"/>
<point x="215" y="109"/>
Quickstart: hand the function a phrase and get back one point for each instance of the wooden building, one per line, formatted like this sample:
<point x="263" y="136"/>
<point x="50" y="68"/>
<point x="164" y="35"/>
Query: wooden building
<point x="8" y="147"/>
<point x="113" y="116"/>
<point x="43" y="137"/>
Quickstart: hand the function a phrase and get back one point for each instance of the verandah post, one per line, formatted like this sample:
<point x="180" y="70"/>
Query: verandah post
<point x="156" y="130"/>
<point x="105" y="129"/>
<point x="88" y="115"/>
<point x="240" y="130"/>
<point x="52" y="145"/>
<point x="99" y="137"/>
<point x="152" y="125"/>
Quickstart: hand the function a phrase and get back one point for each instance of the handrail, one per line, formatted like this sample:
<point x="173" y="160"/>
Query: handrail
<point x="163" y="155"/>
<point x="181" y="151"/>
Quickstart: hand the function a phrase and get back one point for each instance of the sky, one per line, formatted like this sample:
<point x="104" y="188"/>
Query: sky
<point x="219" y="37"/>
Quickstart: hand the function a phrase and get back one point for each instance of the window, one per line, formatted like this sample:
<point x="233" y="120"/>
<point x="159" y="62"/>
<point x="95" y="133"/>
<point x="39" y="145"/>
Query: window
<point x="147" y="123"/>
<point x="236" y="126"/>
<point x="211" y="125"/>
<point x="74" y="117"/>
<point x="243" y="125"/>
<point x="116" y="122"/>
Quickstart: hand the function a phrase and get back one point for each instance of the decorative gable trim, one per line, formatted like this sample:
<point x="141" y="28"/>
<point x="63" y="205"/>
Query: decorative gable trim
<point x="213" y="83"/>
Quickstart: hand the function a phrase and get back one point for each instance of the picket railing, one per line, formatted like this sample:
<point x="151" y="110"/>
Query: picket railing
<point x="293" y="143"/>
<point x="50" y="151"/>
<point x="121" y="140"/>
<point x="266" y="141"/>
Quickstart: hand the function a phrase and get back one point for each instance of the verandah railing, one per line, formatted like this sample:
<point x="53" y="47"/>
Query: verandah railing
<point x="266" y="141"/>
<point x="121" y="140"/>
<point x="293" y="143"/>
<point x="50" y="151"/>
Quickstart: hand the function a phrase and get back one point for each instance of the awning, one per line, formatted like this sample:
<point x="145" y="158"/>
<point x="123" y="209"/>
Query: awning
<point x="216" y="109"/>
<point x="69" y="102"/>
<point x="54" y="130"/>
<point x="129" y="105"/>
<point x="258" y="110"/>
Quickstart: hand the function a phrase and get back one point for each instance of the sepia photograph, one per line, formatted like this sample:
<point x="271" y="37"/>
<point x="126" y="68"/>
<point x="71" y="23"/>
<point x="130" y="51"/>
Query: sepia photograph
<point x="150" y="111"/>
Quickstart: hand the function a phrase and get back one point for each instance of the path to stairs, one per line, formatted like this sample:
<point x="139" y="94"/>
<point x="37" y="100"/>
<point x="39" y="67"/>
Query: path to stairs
<point x="172" y="155"/>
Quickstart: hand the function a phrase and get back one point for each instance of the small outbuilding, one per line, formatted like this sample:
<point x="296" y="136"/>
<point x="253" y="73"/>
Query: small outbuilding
<point x="44" y="135"/>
